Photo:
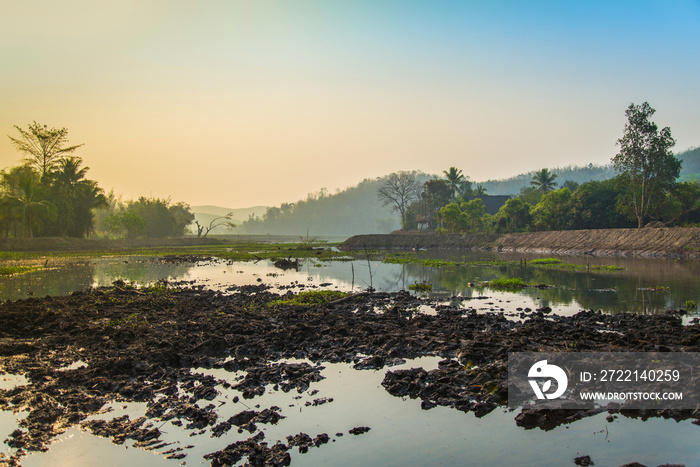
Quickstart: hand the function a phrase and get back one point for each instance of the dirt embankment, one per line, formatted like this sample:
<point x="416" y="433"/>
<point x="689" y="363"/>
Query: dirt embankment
<point x="84" y="244"/>
<point x="682" y="242"/>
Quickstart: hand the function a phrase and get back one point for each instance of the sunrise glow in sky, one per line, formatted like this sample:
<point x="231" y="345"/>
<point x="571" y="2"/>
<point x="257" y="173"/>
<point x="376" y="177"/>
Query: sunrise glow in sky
<point x="241" y="103"/>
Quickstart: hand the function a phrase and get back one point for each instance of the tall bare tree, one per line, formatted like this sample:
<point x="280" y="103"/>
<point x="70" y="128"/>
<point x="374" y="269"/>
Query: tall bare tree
<point x="43" y="147"/>
<point x="398" y="191"/>
<point x="646" y="164"/>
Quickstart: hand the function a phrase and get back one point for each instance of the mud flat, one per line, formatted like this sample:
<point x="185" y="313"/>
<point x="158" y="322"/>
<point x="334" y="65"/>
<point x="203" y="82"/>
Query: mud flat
<point x="673" y="242"/>
<point x="138" y="345"/>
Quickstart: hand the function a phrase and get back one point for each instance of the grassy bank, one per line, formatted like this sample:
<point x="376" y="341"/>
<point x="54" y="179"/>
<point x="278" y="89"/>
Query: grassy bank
<point x="230" y="251"/>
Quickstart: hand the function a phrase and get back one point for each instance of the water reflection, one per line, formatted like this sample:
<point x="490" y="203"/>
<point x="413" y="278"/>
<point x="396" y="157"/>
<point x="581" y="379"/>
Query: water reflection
<point x="644" y="286"/>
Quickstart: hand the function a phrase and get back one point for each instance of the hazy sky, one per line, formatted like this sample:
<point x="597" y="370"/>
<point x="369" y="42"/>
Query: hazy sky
<point x="242" y="103"/>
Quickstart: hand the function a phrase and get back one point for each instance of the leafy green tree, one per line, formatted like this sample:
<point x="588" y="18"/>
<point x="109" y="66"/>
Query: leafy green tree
<point x="530" y="195"/>
<point x="127" y="223"/>
<point x="75" y="197"/>
<point x="593" y="207"/>
<point x="551" y="212"/>
<point x="398" y="191"/>
<point x="571" y="185"/>
<point x="544" y="181"/>
<point x="451" y="218"/>
<point x="514" y="216"/>
<point x="23" y="200"/>
<point x="465" y="217"/>
<point x="43" y="147"/>
<point x="681" y="206"/>
<point x="162" y="218"/>
<point x="435" y="195"/>
<point x="646" y="164"/>
<point x="473" y="213"/>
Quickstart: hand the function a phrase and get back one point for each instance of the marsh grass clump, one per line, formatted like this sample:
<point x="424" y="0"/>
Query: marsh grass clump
<point x="11" y="270"/>
<point x="422" y="287"/>
<point x="545" y="261"/>
<point x="411" y="258"/>
<point x="158" y="289"/>
<point x="515" y="283"/>
<point x="309" y="298"/>
<point x="690" y="305"/>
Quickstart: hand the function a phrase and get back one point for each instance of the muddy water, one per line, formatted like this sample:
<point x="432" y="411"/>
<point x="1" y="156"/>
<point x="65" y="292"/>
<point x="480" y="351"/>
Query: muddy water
<point x="401" y="432"/>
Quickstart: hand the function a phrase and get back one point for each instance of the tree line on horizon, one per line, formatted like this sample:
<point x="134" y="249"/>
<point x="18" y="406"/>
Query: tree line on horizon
<point x="49" y="195"/>
<point x="646" y="188"/>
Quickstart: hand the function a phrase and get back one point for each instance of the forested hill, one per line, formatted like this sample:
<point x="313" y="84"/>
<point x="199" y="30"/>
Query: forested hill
<point x="513" y="185"/>
<point x="357" y="210"/>
<point x="691" y="163"/>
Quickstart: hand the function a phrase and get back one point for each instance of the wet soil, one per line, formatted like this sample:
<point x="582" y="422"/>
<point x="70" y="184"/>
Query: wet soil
<point x="140" y="346"/>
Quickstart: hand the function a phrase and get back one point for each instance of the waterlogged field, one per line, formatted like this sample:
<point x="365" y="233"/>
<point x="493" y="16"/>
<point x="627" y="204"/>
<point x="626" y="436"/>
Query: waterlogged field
<point x="401" y="432"/>
<point x="565" y="284"/>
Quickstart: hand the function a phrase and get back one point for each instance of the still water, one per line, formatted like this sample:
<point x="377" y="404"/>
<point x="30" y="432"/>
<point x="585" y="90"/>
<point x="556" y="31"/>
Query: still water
<point x="401" y="432"/>
<point x="642" y="286"/>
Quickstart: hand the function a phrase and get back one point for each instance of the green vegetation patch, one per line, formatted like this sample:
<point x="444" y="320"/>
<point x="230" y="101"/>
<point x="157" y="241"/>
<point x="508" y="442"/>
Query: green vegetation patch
<point x="10" y="270"/>
<point x="421" y="287"/>
<point x="515" y="283"/>
<point x="411" y="258"/>
<point x="309" y="298"/>
<point x="545" y="263"/>
<point x="248" y="251"/>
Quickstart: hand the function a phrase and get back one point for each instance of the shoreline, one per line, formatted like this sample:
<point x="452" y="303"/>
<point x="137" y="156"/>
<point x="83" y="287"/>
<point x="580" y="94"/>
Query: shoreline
<point x="668" y="242"/>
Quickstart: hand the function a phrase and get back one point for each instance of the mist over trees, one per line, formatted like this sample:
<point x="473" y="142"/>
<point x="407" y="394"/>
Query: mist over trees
<point x="355" y="210"/>
<point x="358" y="210"/>
<point x="150" y="217"/>
<point x="398" y="191"/>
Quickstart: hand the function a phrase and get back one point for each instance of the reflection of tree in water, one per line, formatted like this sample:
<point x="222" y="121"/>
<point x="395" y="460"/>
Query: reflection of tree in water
<point x="69" y="277"/>
<point x="54" y="281"/>
<point x="610" y="292"/>
<point x="138" y="270"/>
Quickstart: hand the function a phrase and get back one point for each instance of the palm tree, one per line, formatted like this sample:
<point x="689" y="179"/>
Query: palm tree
<point x="25" y="204"/>
<point x="544" y="181"/>
<point x="455" y="179"/>
<point x="480" y="190"/>
<point x="68" y="174"/>
<point x="78" y="196"/>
